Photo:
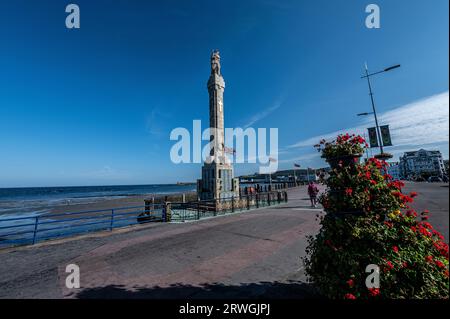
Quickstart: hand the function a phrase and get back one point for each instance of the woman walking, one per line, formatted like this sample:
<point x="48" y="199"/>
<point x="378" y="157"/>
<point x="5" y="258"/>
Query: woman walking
<point x="312" y="192"/>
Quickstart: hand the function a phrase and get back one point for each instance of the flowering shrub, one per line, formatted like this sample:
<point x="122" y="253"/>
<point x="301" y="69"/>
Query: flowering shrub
<point x="365" y="187"/>
<point x="344" y="145"/>
<point x="412" y="256"/>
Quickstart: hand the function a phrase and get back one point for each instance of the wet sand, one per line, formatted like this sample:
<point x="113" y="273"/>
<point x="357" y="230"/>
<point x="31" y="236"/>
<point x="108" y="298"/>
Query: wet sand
<point x="129" y="201"/>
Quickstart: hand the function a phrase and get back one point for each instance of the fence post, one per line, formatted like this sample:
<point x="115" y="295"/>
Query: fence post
<point x="268" y="199"/>
<point x="168" y="208"/>
<point x="36" y="223"/>
<point x="285" y="196"/>
<point x="198" y="210"/>
<point x="232" y="204"/>
<point x="257" y="200"/>
<point x="248" y="202"/>
<point x="112" y="220"/>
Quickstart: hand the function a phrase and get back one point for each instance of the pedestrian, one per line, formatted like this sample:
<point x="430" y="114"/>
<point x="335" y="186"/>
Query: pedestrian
<point x="312" y="192"/>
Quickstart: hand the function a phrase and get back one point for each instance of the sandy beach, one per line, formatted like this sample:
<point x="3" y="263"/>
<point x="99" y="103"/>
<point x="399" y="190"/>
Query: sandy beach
<point x="129" y="201"/>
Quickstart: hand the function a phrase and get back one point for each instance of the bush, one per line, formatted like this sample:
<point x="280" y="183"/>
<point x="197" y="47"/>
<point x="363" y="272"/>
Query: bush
<point x="411" y="255"/>
<point x="344" y="145"/>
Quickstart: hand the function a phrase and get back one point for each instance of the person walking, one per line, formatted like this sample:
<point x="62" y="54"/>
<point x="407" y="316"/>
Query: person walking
<point x="312" y="192"/>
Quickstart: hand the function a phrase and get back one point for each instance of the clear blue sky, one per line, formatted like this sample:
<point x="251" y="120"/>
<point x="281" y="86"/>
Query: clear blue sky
<point x="95" y="106"/>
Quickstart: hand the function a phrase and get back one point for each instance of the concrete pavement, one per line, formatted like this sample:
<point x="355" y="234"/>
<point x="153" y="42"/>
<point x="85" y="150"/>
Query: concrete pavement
<point x="250" y="254"/>
<point x="435" y="198"/>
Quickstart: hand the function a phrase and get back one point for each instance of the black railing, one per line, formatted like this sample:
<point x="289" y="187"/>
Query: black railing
<point x="210" y="208"/>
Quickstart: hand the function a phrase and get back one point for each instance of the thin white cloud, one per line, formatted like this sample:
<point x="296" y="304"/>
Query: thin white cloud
<point x="423" y="122"/>
<point x="154" y="120"/>
<point x="303" y="157"/>
<point x="259" y="116"/>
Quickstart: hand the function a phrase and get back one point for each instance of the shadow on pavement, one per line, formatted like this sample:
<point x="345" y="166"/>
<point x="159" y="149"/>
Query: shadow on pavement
<point x="309" y="207"/>
<point x="266" y="290"/>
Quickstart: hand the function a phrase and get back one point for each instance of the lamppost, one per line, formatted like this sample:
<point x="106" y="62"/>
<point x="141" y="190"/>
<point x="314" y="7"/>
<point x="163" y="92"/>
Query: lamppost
<point x="374" y="112"/>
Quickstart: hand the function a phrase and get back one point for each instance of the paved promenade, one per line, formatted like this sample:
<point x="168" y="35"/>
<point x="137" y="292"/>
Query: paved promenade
<point x="249" y="254"/>
<point x="435" y="198"/>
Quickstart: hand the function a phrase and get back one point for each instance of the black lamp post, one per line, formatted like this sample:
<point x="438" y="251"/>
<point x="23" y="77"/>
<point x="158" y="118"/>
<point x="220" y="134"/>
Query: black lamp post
<point x="374" y="112"/>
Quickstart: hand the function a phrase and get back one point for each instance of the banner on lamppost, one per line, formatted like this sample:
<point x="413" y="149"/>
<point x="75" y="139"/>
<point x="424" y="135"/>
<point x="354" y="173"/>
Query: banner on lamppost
<point x="373" y="140"/>
<point x="386" y="135"/>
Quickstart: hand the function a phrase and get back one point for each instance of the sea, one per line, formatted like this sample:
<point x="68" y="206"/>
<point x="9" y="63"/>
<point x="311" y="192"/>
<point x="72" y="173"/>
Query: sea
<point x="18" y="202"/>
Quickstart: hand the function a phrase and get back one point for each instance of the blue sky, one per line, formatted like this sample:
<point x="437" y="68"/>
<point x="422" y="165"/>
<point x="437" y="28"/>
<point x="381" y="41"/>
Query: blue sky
<point x="95" y="106"/>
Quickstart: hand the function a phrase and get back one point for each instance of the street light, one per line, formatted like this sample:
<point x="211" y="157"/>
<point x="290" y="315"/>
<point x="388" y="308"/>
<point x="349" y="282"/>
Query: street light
<point x="367" y="75"/>
<point x="366" y="113"/>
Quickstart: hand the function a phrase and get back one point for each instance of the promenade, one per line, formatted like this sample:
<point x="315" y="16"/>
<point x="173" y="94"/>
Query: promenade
<point x="246" y="255"/>
<point x="249" y="254"/>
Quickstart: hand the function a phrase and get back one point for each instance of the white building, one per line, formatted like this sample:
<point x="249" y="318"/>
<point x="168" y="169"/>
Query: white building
<point x="394" y="170"/>
<point x="421" y="162"/>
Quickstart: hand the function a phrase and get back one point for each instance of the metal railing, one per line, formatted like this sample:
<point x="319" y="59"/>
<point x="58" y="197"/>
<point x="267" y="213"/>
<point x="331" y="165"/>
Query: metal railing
<point x="181" y="212"/>
<point x="33" y="229"/>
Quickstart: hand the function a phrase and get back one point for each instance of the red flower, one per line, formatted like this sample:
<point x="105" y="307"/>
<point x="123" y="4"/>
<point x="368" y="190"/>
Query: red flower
<point x="351" y="283"/>
<point x="349" y="191"/>
<point x="439" y="263"/>
<point x="425" y="217"/>
<point x="373" y="182"/>
<point x="411" y="213"/>
<point x="429" y="259"/>
<point x="442" y="248"/>
<point x="413" y="194"/>
<point x="389" y="266"/>
<point x="374" y="292"/>
<point x="446" y="273"/>
<point x="438" y="235"/>
<point x="427" y="225"/>
<point x="404" y="264"/>
<point x="395" y="249"/>
<point x="425" y="232"/>
<point x="349" y="296"/>
<point x="407" y="199"/>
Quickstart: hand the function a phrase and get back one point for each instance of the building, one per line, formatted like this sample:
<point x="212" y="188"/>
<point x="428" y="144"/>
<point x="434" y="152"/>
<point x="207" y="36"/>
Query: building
<point x="217" y="180"/>
<point x="394" y="170"/>
<point x="290" y="175"/>
<point x="421" y="163"/>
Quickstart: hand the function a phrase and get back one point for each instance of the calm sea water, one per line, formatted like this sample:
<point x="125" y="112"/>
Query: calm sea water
<point x="37" y="200"/>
